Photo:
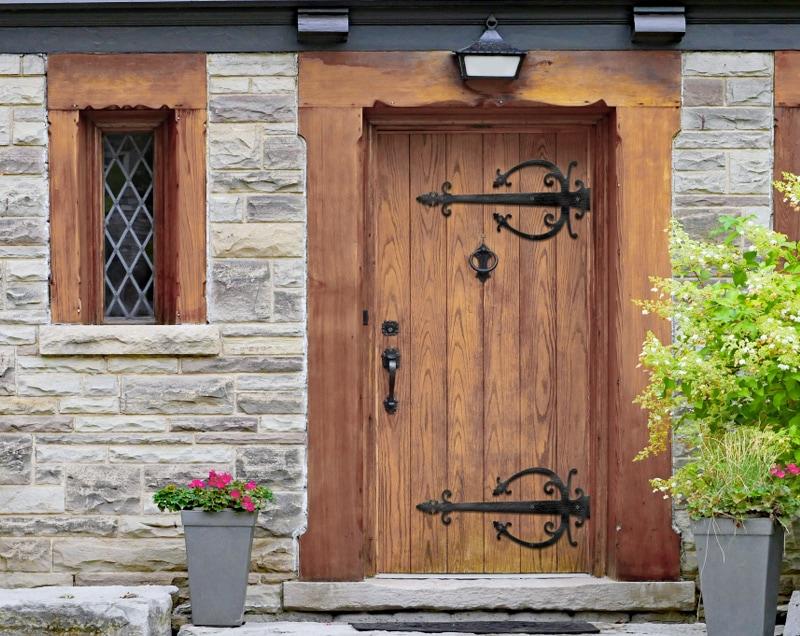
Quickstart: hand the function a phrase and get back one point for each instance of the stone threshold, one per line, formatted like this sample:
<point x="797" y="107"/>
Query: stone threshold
<point x="571" y="593"/>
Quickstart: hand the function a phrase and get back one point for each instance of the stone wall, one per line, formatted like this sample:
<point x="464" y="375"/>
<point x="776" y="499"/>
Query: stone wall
<point x="86" y="439"/>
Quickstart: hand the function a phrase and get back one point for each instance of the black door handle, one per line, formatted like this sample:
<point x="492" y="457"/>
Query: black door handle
<point x="391" y="362"/>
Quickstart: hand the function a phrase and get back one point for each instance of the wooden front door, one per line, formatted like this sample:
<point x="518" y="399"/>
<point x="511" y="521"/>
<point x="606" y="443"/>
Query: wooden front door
<point x="493" y="376"/>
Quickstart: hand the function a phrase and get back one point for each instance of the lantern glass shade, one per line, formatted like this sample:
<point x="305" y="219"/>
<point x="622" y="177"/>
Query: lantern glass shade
<point x="490" y="57"/>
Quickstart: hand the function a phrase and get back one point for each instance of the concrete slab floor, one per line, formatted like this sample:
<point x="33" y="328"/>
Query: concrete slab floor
<point x="339" y="629"/>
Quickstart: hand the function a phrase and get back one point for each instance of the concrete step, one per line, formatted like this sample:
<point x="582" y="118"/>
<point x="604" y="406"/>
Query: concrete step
<point x="574" y="593"/>
<point x="338" y="629"/>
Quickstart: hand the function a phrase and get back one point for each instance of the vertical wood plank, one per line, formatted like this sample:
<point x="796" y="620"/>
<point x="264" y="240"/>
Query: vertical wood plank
<point x="573" y="341"/>
<point x="189" y="157"/>
<point x="787" y="159"/>
<point x="65" y="240"/>
<point x="465" y="474"/>
<point x="393" y="501"/>
<point x="428" y="353"/>
<point x="538" y="352"/>
<point x="643" y="545"/>
<point x="501" y="408"/>
<point x="332" y="547"/>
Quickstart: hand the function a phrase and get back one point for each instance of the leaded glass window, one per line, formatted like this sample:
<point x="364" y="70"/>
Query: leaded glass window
<point x="129" y="278"/>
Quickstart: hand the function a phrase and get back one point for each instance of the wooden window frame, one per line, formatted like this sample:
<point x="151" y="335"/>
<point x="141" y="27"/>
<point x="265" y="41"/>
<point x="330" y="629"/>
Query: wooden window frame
<point x="87" y="95"/>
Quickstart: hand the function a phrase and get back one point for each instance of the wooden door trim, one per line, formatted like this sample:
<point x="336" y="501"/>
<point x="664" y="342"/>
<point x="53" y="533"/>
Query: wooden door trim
<point x="787" y="129"/>
<point x="336" y="91"/>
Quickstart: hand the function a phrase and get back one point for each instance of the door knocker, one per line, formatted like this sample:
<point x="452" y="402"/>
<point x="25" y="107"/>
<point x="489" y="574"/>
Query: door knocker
<point x="483" y="261"/>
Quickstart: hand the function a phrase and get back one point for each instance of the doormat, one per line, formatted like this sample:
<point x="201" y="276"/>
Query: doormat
<point x="482" y="627"/>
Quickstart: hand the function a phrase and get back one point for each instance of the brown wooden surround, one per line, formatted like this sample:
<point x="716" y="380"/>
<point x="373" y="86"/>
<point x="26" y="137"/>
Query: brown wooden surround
<point x="787" y="133"/>
<point x="161" y="92"/>
<point x="341" y="94"/>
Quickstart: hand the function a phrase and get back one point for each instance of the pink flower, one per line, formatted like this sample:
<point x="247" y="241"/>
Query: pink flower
<point x="794" y="469"/>
<point x="219" y="480"/>
<point x="247" y="504"/>
<point x="197" y="483"/>
<point x="250" y="485"/>
<point x="777" y="471"/>
<point x="235" y="494"/>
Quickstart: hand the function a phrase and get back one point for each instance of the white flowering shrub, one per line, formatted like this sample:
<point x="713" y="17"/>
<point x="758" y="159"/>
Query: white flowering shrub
<point x="734" y="359"/>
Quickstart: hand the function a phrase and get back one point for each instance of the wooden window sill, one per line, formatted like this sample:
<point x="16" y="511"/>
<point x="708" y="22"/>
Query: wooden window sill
<point x="129" y="340"/>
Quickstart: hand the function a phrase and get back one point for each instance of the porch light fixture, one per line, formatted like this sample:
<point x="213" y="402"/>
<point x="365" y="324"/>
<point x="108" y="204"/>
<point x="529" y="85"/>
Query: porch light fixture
<point x="490" y="57"/>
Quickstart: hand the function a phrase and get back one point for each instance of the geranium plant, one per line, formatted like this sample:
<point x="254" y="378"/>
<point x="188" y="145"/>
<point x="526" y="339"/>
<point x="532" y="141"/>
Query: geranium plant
<point x="220" y="491"/>
<point x="734" y="357"/>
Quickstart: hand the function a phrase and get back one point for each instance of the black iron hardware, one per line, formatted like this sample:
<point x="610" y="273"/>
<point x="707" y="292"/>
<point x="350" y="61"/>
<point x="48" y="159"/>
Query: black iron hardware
<point x="391" y="362"/>
<point x="390" y="328"/>
<point x="565" y="200"/>
<point x="483" y="261"/>
<point x="564" y="507"/>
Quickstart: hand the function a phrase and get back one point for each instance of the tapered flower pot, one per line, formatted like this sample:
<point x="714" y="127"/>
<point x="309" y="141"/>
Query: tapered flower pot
<point x="739" y="571"/>
<point x="218" y="546"/>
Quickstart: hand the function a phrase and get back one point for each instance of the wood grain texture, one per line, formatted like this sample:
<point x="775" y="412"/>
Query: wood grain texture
<point x="65" y="197"/>
<point x="787" y="159"/>
<point x="642" y="543"/>
<point x="427" y="359"/>
<point x="142" y="80"/>
<point x="332" y="548"/>
<point x="562" y="78"/>
<point x="787" y="78"/>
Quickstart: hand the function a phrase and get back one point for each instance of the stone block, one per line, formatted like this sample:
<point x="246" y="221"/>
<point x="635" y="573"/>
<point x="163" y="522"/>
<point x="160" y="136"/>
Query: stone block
<point x="263" y="599"/>
<point x="33" y="424"/>
<point x="273" y="555"/>
<point x="284" y="516"/>
<point x="750" y="172"/>
<point x="273" y="85"/>
<point x="239" y="290"/>
<point x="156" y="477"/>
<point x="31" y="499"/>
<point x="100" y="385"/>
<point x="10" y="64"/>
<point x="11" y="580"/>
<point x="257" y="240"/>
<point x="727" y="64"/>
<point x="128" y="339"/>
<point x="103" y="489"/>
<point x="22" y="160"/>
<point x="16" y="454"/>
<point x="711" y="182"/>
<point x="144" y="364"/>
<point x="271" y="382"/>
<point x="255" y="181"/>
<point x="164" y="394"/>
<point x="698" y="160"/>
<point x="5" y="126"/>
<point x="234" y="146"/>
<point x="151" y="526"/>
<point x="276" y="207"/>
<point x="27" y="270"/>
<point x="750" y="91"/>
<point x="289" y="272"/>
<point x="30" y="133"/>
<point x="118" y="555"/>
<point x="30" y="114"/>
<point x="248" y="64"/>
<point x="703" y="92"/>
<point x="22" y="231"/>
<point x="271" y="402"/>
<point x="227" y="85"/>
<point x="243" y="364"/>
<point x="49" y="384"/>
<point x="52" y="475"/>
<point x="66" y="364"/>
<point x="132" y="611"/>
<point x="726" y="118"/>
<point x="113" y="438"/>
<point x="224" y="208"/>
<point x="264" y="346"/>
<point x="250" y="108"/>
<point x="21" y="90"/>
<point x="263" y="329"/>
<point x="288" y="305"/>
<point x="50" y="526"/>
<point x="25" y="555"/>
<point x="23" y="197"/>
<point x="792" y="627"/>
<point x="233" y="423"/>
<point x="34" y="64"/>
<point x="277" y="466"/>
<point x="284" y="153"/>
<point x="27" y="295"/>
<point x="69" y="454"/>
<point x="84" y="405"/>
<point x="171" y="454"/>
<point x="120" y="424"/>
<point x="250" y="439"/>
<point x="7" y="372"/>
<point x="282" y="423"/>
<point x="27" y="406"/>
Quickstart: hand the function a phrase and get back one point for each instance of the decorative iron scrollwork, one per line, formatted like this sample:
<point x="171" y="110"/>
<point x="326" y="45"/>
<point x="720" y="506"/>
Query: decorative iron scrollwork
<point x="564" y="507"/>
<point x="483" y="261"/>
<point x="565" y="200"/>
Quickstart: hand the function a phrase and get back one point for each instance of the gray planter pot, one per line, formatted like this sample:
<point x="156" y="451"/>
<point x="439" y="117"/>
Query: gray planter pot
<point x="218" y="548"/>
<point x="739" y="571"/>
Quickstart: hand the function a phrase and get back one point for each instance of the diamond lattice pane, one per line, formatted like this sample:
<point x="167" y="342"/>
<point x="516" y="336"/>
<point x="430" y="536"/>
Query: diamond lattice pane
<point x="128" y="185"/>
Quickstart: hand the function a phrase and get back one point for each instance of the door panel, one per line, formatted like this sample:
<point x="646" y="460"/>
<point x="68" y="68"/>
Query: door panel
<point x="494" y="375"/>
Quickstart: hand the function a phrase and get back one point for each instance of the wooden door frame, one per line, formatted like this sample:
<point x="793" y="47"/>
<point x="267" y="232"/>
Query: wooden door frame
<point x="787" y="130"/>
<point x="339" y="93"/>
